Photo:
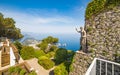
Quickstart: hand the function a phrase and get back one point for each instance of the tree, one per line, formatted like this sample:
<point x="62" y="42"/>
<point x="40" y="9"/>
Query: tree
<point x="8" y="29"/>
<point x="48" y="44"/>
<point x="60" y="70"/>
<point x="27" y="52"/>
<point x="18" y="45"/>
<point x="50" y="40"/>
<point x="43" y="46"/>
<point x="60" y="55"/>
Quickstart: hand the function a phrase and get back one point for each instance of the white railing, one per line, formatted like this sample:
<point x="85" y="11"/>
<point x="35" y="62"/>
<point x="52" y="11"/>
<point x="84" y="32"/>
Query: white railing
<point x="103" y="67"/>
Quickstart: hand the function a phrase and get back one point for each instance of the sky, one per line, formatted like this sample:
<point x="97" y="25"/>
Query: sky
<point x="45" y="16"/>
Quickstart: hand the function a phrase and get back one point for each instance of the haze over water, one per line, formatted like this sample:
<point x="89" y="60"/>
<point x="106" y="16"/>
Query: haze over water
<point x="48" y="16"/>
<point x="71" y="40"/>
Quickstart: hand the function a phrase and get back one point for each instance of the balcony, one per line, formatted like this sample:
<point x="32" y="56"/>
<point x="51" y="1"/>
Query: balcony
<point x="103" y="67"/>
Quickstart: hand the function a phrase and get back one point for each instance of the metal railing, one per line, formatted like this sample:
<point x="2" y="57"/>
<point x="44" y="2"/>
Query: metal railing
<point x="103" y="67"/>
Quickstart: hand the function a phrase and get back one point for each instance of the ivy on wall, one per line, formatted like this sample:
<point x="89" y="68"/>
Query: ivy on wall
<point x="96" y="6"/>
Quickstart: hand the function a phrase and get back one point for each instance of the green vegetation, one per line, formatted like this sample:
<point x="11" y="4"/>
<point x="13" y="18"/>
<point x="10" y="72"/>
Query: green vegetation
<point x="22" y="72"/>
<point x="92" y="50"/>
<point x="89" y="29"/>
<point x="104" y="52"/>
<point x="18" y="45"/>
<point x="27" y="52"/>
<point x="39" y="53"/>
<point x="96" y="6"/>
<point x="48" y="59"/>
<point x="19" y="71"/>
<point x="14" y="70"/>
<point x="43" y="46"/>
<point x="50" y="54"/>
<point x="11" y="70"/>
<point x="60" y="55"/>
<point x="64" y="58"/>
<point x="8" y="29"/>
<point x="60" y="70"/>
<point x="45" y="62"/>
<point x="50" y="40"/>
<point x="47" y="44"/>
<point x="32" y="73"/>
<point x="71" y="67"/>
<point x="70" y="60"/>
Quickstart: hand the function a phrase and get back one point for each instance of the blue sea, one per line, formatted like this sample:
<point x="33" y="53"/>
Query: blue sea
<point x="72" y="40"/>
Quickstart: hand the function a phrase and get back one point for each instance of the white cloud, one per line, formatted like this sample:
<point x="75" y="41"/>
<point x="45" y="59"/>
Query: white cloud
<point x="28" y="22"/>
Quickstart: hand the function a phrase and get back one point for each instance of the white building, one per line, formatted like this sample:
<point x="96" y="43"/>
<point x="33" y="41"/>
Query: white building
<point x="9" y="54"/>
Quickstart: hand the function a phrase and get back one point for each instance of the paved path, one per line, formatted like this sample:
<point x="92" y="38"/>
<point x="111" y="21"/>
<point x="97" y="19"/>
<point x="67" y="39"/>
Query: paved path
<point x="40" y="70"/>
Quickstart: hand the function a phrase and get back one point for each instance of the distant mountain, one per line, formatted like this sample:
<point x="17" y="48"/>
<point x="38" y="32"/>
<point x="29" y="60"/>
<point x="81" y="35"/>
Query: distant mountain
<point x="29" y="39"/>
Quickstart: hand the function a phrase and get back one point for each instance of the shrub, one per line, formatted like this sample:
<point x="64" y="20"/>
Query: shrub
<point x="60" y="70"/>
<point x="11" y="70"/>
<point x="53" y="48"/>
<point x="32" y="73"/>
<point x="71" y="68"/>
<point x="22" y="72"/>
<point x="18" y="45"/>
<point x="45" y="62"/>
<point x="60" y="55"/>
<point x="27" y="52"/>
<point x="17" y="69"/>
<point x="69" y="60"/>
<point x="39" y="53"/>
<point x="71" y="53"/>
<point x="50" y="54"/>
<point x="96" y="6"/>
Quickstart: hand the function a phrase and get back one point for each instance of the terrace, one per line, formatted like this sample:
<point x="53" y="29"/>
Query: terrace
<point x="103" y="67"/>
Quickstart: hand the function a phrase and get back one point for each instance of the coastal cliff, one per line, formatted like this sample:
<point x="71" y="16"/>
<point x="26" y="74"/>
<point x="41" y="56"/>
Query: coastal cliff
<point x="103" y="36"/>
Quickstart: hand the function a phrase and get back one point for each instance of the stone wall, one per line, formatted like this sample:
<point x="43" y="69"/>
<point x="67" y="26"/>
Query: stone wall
<point x="103" y="40"/>
<point x="81" y="62"/>
<point x="103" y="34"/>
